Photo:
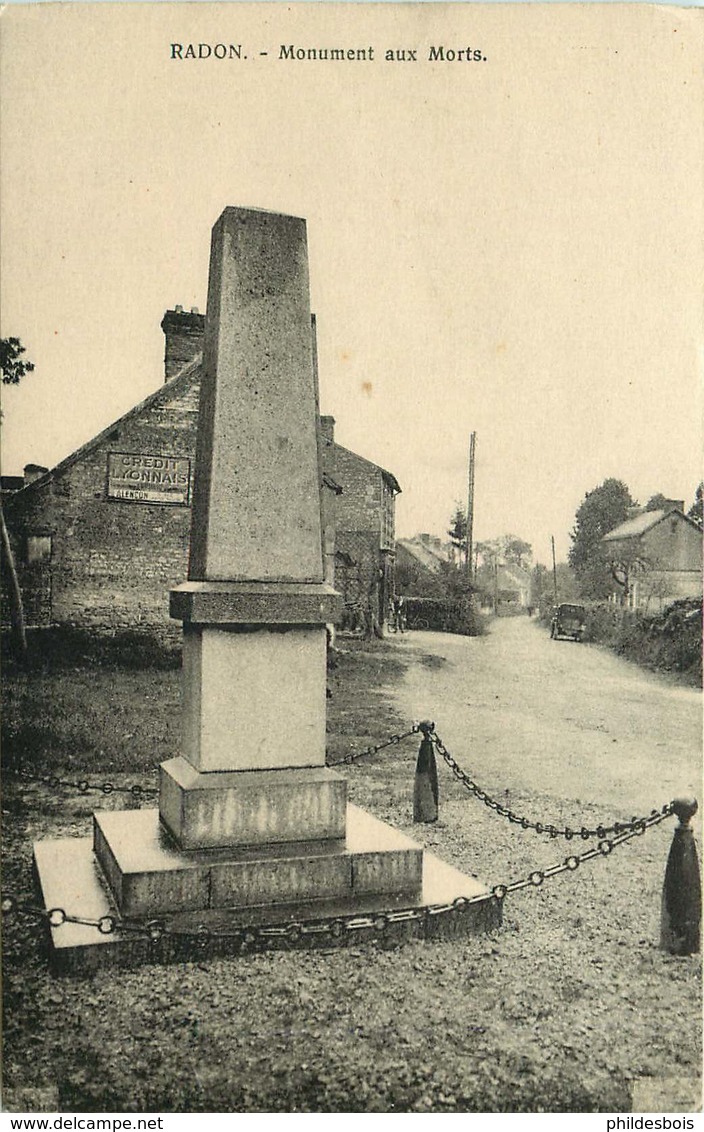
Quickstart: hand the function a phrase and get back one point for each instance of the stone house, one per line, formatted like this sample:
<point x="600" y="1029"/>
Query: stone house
<point x="505" y="587"/>
<point x="101" y="538"/>
<point x="419" y="562"/>
<point x="659" y="555"/>
<point x="364" y="524"/>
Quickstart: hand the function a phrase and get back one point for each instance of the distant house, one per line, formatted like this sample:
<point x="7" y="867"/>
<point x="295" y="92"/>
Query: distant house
<point x="365" y="511"/>
<point x="513" y="586"/>
<point x="659" y="555"/>
<point x="428" y="550"/>
<point x="505" y="587"/>
<point x="100" y="539"/>
<point x="419" y="562"/>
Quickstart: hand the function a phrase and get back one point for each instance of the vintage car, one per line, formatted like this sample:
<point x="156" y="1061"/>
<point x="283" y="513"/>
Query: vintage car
<point x="568" y="621"/>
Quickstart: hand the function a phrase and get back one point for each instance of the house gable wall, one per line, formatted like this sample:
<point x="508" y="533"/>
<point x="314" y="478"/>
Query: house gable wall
<point x="112" y="561"/>
<point x="359" y="505"/>
<point x="674" y="544"/>
<point x="672" y="553"/>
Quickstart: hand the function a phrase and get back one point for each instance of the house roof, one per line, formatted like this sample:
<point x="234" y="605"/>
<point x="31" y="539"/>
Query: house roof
<point x="165" y="390"/>
<point x="423" y="554"/>
<point x="634" y="528"/>
<point x="390" y="479"/>
<point x="511" y="575"/>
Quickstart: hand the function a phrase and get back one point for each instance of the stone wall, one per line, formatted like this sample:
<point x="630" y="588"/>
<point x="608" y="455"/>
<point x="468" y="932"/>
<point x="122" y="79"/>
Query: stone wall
<point x="364" y="526"/>
<point x="674" y="544"/>
<point x="359" y="505"/>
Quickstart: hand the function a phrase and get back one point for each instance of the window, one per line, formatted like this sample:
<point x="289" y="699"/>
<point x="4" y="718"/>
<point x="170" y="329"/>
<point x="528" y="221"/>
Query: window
<point x="38" y="548"/>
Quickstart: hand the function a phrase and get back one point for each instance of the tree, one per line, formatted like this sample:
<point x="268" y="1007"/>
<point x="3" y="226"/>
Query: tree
<point x="458" y="532"/>
<point x="13" y="370"/>
<point x="658" y="502"/>
<point x="455" y="583"/>
<point x="626" y="565"/>
<point x="489" y="551"/>
<point x="567" y="587"/>
<point x="540" y="583"/>
<point x="507" y="549"/>
<point x="11" y="364"/>
<point x="601" y="510"/>
<point x="517" y="551"/>
<point x="696" y="511"/>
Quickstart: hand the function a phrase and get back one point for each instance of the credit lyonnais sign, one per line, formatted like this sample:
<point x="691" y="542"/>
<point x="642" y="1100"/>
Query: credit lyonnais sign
<point x="149" y="479"/>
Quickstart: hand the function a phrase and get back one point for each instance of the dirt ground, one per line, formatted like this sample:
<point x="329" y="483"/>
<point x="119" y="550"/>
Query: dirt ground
<point x="569" y="1007"/>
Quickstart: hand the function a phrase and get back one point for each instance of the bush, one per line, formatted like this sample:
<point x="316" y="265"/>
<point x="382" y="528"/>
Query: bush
<point x="670" y="641"/>
<point x="604" y="624"/>
<point x="445" y="616"/>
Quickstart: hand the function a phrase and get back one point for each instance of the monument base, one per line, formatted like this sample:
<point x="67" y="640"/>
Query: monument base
<point x="348" y="906"/>
<point x="255" y="807"/>
<point x="148" y="874"/>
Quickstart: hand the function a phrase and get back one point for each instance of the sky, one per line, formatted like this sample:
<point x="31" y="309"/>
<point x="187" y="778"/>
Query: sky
<point x="510" y="246"/>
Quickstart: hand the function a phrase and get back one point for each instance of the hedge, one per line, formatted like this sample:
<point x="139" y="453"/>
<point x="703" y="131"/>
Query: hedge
<point x="445" y="616"/>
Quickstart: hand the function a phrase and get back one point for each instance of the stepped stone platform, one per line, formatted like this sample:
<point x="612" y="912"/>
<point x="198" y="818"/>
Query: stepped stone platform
<point x="148" y="874"/>
<point x="132" y="868"/>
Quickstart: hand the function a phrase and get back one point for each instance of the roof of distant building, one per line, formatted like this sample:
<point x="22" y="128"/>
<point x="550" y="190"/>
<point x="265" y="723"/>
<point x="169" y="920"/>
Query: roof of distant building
<point x="427" y="556"/>
<point x="515" y="574"/>
<point x="639" y="524"/>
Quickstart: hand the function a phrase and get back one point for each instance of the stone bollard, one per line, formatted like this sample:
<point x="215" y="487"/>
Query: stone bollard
<point x="425" y="787"/>
<point x="682" y="895"/>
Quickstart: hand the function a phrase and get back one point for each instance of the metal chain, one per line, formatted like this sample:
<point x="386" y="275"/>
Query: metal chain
<point x="251" y="936"/>
<point x="571" y="864"/>
<point x="390" y="742"/>
<point x="601" y="831"/>
<point x="83" y="786"/>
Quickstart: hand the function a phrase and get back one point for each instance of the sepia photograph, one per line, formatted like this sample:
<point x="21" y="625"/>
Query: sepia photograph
<point x="352" y="507"/>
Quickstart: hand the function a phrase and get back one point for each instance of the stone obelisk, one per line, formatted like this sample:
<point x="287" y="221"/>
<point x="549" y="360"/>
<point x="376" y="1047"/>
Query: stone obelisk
<point x="255" y="606"/>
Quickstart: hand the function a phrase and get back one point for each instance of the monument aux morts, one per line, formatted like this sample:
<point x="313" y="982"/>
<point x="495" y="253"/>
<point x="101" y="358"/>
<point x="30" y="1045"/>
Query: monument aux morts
<point x="252" y="827"/>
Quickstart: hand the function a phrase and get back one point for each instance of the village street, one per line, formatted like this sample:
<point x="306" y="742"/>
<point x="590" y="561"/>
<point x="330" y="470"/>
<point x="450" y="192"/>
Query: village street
<point x="567" y="721"/>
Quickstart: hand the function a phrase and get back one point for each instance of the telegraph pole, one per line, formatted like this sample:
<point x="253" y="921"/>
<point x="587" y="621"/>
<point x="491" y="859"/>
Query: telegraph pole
<point x="554" y="568"/>
<point x="470" y="505"/>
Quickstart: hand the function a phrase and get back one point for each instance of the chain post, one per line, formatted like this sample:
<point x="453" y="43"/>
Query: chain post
<point x="680" y="927"/>
<point x="425" y="786"/>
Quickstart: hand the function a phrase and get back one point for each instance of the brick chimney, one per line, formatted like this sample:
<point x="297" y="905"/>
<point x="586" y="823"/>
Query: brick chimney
<point x="184" y="338"/>
<point x="33" y="472"/>
<point x="327" y="429"/>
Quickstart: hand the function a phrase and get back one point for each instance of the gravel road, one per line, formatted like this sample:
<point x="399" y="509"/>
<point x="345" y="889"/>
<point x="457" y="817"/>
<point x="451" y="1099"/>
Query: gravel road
<point x="564" y="720"/>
